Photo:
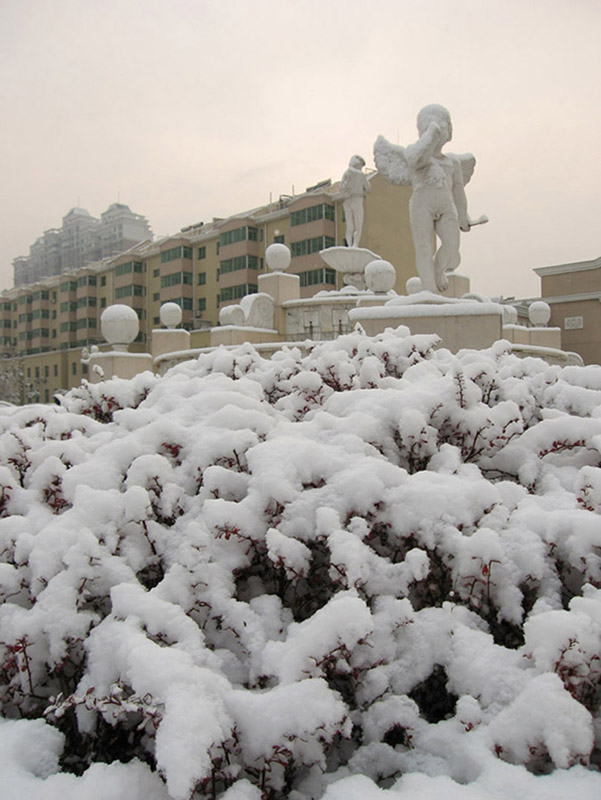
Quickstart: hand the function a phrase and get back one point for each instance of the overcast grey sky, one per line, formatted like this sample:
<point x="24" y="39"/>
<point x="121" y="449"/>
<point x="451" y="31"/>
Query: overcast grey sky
<point x="189" y="109"/>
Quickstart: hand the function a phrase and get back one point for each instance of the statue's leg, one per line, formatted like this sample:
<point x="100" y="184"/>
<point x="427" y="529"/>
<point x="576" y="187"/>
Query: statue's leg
<point x="358" y="226"/>
<point x="447" y="257"/>
<point x="422" y="230"/>
<point x="348" y="218"/>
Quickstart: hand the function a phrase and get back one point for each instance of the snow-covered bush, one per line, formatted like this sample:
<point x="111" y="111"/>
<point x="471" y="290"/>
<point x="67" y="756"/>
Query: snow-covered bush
<point x="370" y="570"/>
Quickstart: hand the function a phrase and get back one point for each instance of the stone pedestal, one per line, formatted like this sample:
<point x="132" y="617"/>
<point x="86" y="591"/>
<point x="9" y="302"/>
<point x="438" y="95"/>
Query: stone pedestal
<point x="117" y="364"/>
<point x="458" y="285"/>
<point x="459" y="325"/>
<point x="169" y="340"/>
<point x="536" y="337"/>
<point x="282" y="287"/>
<point x="234" y="334"/>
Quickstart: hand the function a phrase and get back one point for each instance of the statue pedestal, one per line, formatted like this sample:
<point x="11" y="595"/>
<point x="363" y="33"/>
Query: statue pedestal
<point x="169" y="340"/>
<point x="459" y="325"/>
<point x="117" y="364"/>
<point x="458" y="285"/>
<point x="536" y="337"/>
<point x="237" y="334"/>
<point x="282" y="287"/>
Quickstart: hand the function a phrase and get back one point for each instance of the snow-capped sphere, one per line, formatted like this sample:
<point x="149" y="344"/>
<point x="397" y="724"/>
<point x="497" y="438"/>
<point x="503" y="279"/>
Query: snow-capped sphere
<point x="539" y="313"/>
<point x="380" y="276"/>
<point x="170" y="314"/>
<point x="119" y="324"/>
<point x="277" y="257"/>
<point x="413" y="285"/>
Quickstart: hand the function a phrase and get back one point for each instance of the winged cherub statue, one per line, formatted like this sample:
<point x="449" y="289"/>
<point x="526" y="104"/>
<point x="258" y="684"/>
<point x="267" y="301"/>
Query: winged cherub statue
<point x="438" y="206"/>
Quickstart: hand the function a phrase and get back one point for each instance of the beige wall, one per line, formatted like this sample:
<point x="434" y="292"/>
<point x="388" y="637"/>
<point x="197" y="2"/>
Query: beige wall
<point x="386" y="229"/>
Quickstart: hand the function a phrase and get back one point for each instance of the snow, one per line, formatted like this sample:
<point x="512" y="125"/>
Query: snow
<point x="370" y="571"/>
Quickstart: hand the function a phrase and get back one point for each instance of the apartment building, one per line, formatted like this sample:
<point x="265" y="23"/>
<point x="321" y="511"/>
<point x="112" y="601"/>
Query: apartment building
<point x="82" y="239"/>
<point x="45" y="324"/>
<point x="574" y="293"/>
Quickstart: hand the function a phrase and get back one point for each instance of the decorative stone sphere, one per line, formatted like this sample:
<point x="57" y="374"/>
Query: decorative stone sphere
<point x="277" y="257"/>
<point x="380" y="276"/>
<point x="170" y="314"/>
<point x="119" y="325"/>
<point x="413" y="285"/>
<point x="539" y="313"/>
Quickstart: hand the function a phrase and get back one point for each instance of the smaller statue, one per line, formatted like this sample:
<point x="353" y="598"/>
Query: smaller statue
<point x="438" y="206"/>
<point x="353" y="187"/>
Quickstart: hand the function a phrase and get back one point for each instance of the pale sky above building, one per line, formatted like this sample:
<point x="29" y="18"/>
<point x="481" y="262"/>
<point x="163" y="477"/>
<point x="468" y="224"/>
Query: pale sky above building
<point x="190" y="109"/>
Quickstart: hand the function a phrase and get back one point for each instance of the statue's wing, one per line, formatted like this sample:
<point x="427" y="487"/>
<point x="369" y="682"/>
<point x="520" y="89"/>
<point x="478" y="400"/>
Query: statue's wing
<point x="468" y="163"/>
<point x="391" y="162"/>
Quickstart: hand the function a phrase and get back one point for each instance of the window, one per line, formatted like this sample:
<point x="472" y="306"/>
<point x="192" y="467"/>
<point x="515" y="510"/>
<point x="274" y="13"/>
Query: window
<point x="238" y="235"/>
<point x="68" y="286"/>
<point x="129" y="266"/>
<point x="47" y="371"/>
<point x="316" y="276"/>
<point x="156" y="320"/>
<point x="156" y="297"/>
<point x="176" y="279"/>
<point x="239" y="262"/>
<point x="176" y="252"/>
<point x="83" y="302"/>
<point x="202" y="303"/>
<point x="56" y="370"/>
<point x="103" y="280"/>
<point x="235" y="292"/>
<point x="279" y="238"/>
<point x="85" y="323"/>
<point x="68" y="306"/>
<point x="103" y="302"/>
<point x="202" y="278"/>
<point x="183" y="302"/>
<point x="155" y="273"/>
<point x="74" y="368"/>
<point x="321" y="211"/>
<point x="202" y="252"/>
<point x="86" y="280"/>
<point x="128" y="291"/>
<point x="308" y="246"/>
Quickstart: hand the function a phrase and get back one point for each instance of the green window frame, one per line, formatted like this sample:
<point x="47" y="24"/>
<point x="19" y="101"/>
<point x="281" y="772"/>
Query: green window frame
<point x="307" y="246"/>
<point x="239" y="235"/>
<point x="313" y="277"/>
<point x="236" y="292"/>
<point x="312" y="214"/>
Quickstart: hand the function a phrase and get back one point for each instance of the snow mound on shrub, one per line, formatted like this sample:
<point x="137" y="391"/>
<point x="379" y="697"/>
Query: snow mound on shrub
<point x="370" y="571"/>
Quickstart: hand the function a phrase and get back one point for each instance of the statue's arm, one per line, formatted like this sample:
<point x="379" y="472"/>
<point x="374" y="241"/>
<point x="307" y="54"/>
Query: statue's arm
<point x="419" y="154"/>
<point x="459" y="198"/>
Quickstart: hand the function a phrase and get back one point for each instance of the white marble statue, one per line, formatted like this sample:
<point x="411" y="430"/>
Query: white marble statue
<point x="353" y="187"/>
<point x="438" y="205"/>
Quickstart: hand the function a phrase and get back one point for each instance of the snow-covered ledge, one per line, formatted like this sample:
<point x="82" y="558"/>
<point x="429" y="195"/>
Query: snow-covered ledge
<point x="459" y="323"/>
